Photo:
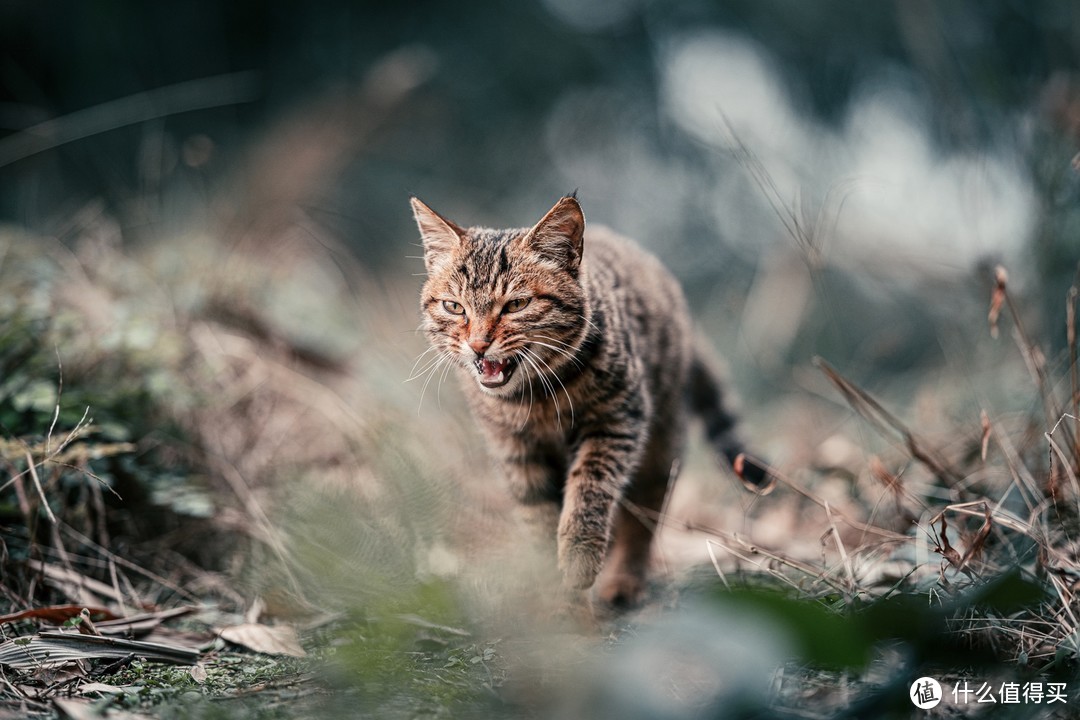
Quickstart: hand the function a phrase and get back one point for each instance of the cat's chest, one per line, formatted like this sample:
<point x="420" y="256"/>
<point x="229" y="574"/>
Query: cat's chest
<point x="548" y="420"/>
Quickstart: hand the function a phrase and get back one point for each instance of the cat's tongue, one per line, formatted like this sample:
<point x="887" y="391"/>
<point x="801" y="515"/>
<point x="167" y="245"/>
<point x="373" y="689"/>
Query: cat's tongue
<point x="492" y="372"/>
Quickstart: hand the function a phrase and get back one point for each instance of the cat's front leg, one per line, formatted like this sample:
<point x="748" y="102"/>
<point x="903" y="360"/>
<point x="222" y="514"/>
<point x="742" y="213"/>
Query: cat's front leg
<point x="601" y="469"/>
<point x="534" y="476"/>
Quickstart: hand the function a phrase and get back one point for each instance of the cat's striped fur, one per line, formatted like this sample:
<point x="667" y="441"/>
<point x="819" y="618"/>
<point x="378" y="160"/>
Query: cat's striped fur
<point x="580" y="363"/>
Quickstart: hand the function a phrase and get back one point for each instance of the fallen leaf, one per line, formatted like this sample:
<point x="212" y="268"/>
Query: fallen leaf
<point x="271" y="640"/>
<point x="56" y="614"/>
<point x="198" y="673"/>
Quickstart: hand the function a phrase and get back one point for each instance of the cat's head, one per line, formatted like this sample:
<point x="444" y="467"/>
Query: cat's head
<point x="505" y="304"/>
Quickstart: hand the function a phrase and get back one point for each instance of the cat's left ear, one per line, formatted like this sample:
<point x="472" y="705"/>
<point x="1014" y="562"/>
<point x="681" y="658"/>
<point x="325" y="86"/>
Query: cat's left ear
<point x="441" y="237"/>
<point x="560" y="234"/>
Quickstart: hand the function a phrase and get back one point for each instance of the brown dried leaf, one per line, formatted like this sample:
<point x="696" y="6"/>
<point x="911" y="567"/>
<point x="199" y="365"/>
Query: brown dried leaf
<point x="945" y="549"/>
<point x="271" y="640"/>
<point x="985" y="419"/>
<point x="198" y="673"/>
<point x="56" y="614"/>
<point x="980" y="538"/>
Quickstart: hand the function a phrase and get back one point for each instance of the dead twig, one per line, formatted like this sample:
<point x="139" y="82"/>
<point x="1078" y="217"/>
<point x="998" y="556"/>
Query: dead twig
<point x="1066" y="466"/>
<point x="37" y="484"/>
<point x="1074" y="372"/>
<point x="1032" y="355"/>
<point x="872" y="411"/>
<point x="844" y="558"/>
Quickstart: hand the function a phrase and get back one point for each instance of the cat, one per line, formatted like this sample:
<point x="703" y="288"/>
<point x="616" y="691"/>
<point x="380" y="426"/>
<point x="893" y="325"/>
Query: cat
<point x="580" y="363"/>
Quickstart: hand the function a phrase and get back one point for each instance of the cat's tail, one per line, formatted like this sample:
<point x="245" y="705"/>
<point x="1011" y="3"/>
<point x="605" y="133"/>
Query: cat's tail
<point x="705" y="395"/>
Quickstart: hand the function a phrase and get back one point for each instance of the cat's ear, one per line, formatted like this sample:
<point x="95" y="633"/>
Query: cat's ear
<point x="441" y="237"/>
<point x="560" y="234"/>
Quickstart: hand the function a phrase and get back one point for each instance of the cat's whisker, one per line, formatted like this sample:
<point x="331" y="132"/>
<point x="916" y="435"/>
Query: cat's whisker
<point x="424" y="370"/>
<point x="551" y="387"/>
<point x="528" y="410"/>
<point x="570" y="353"/>
<point x="565" y="353"/>
<point x="444" y="357"/>
<point x="565" y="391"/>
<point x="528" y="355"/>
<point x="442" y="379"/>
<point x="420" y="357"/>
<point x="429" y="372"/>
<point x="590" y="322"/>
<point x="557" y="341"/>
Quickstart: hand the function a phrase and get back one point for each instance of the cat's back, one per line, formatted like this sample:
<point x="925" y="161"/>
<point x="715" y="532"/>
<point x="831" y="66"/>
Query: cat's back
<point x="643" y="310"/>
<point x="619" y="269"/>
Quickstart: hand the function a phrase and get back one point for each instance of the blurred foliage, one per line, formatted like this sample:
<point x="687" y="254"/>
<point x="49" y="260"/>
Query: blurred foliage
<point x="831" y="634"/>
<point x="88" y="409"/>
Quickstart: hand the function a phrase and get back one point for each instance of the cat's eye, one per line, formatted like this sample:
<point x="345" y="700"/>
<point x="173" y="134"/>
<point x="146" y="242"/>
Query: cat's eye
<point x="516" y="305"/>
<point x="454" y="308"/>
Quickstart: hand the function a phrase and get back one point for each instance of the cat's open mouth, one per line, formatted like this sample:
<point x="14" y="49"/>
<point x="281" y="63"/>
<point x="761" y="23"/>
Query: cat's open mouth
<point x="494" y="373"/>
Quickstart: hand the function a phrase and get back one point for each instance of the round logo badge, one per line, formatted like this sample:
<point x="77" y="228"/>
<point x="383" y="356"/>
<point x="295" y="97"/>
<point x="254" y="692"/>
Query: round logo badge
<point x="925" y="693"/>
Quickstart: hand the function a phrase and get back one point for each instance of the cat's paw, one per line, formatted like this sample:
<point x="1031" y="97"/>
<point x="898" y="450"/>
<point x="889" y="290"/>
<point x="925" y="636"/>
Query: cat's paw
<point x="580" y="560"/>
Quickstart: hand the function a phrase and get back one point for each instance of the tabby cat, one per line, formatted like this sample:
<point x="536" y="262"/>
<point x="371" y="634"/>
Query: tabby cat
<point x="579" y="361"/>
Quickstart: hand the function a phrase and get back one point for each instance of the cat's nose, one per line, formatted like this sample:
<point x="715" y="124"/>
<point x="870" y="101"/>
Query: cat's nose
<point x="479" y="345"/>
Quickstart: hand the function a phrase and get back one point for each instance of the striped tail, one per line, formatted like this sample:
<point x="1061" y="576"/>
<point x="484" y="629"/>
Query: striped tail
<point x="706" y="399"/>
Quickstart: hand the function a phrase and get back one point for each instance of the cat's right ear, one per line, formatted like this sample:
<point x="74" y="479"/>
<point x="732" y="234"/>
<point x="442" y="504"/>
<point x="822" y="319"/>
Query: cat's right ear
<point x="441" y="237"/>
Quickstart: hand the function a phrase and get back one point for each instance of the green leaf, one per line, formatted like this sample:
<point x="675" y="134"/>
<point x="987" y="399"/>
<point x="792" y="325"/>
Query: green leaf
<point x="824" y="638"/>
<point x="1007" y="593"/>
